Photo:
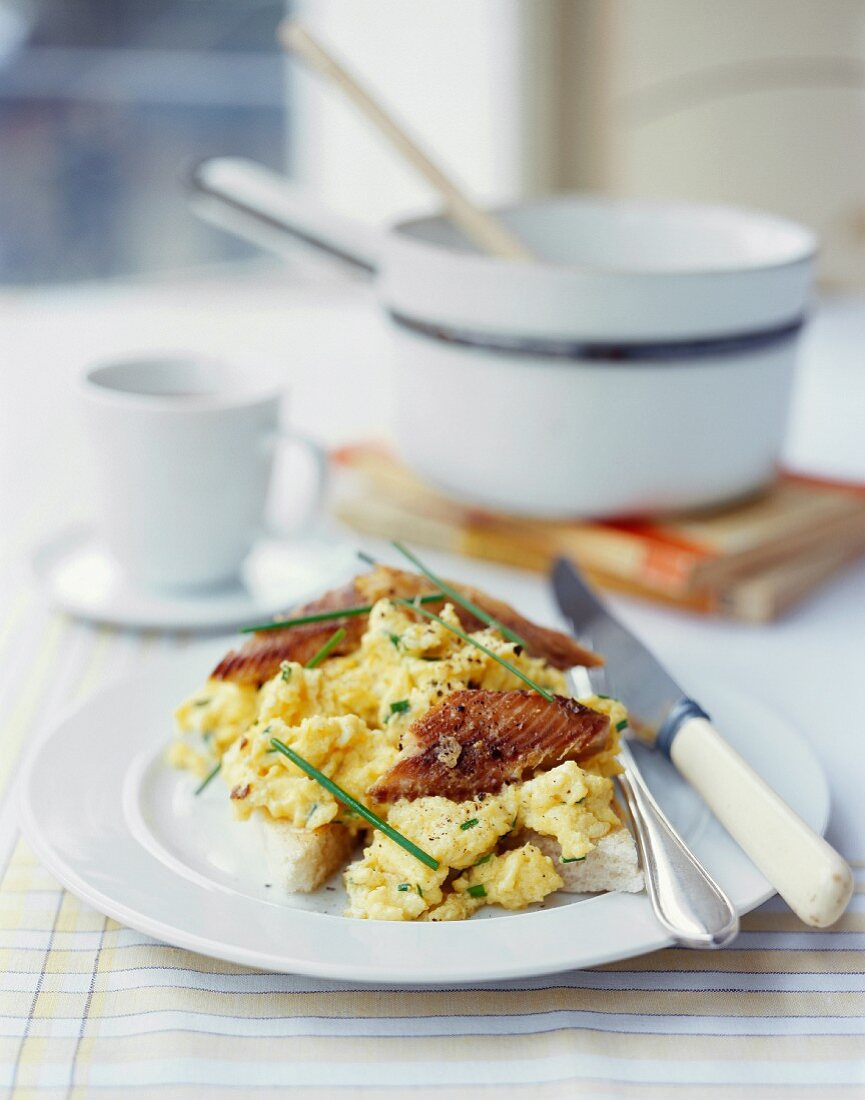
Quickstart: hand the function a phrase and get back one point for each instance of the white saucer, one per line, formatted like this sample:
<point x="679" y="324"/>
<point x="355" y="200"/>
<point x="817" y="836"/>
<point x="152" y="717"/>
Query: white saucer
<point x="84" y="579"/>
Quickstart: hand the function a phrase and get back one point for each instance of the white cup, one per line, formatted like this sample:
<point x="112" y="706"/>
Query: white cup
<point x="184" y="451"/>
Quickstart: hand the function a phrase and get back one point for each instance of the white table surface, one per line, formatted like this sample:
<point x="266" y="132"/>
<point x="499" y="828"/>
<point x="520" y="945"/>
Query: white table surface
<point x="326" y="336"/>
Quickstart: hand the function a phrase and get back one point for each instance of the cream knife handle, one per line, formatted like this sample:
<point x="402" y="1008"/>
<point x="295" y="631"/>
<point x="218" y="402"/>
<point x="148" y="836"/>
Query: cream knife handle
<point x="806" y="871"/>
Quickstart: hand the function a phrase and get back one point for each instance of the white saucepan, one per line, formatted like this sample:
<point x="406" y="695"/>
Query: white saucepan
<point x="644" y="366"/>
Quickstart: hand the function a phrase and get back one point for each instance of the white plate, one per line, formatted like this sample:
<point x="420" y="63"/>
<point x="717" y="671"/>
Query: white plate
<point x="123" y="831"/>
<point x="83" y="578"/>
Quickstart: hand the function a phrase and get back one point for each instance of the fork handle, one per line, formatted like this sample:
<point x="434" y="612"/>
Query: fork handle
<point x="687" y="901"/>
<point x="806" y="871"/>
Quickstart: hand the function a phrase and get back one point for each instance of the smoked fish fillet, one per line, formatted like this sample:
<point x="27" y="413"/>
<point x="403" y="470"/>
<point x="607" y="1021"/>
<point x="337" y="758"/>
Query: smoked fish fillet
<point x="475" y="742"/>
<point x="258" y="659"/>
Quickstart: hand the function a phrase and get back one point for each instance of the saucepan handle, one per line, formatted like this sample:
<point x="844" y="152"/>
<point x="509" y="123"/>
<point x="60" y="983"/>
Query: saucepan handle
<point x="262" y="206"/>
<point x="806" y="871"/>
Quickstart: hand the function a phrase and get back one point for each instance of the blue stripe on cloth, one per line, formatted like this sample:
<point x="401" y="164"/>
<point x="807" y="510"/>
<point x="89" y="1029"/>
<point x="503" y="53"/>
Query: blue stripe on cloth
<point x="254" y="984"/>
<point x="154" y="1022"/>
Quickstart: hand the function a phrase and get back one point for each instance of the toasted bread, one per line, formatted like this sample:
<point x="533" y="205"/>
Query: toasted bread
<point x="612" y="864"/>
<point x="300" y="860"/>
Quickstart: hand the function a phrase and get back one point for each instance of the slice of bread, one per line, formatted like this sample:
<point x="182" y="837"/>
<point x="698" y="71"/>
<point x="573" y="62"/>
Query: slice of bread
<point x="612" y="864"/>
<point x="301" y="860"/>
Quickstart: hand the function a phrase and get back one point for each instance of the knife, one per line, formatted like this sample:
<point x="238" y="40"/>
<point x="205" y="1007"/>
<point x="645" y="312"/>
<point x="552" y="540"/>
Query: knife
<point x="805" y="870"/>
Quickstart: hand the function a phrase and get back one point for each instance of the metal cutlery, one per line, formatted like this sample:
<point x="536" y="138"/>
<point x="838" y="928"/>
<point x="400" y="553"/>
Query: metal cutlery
<point x="687" y="901"/>
<point x="805" y="870"/>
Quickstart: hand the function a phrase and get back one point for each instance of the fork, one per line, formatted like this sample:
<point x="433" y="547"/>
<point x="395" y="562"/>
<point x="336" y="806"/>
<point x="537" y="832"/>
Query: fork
<point x="688" y="903"/>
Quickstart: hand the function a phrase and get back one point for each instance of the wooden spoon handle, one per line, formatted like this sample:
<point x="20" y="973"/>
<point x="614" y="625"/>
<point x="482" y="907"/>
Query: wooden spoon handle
<point x="481" y="227"/>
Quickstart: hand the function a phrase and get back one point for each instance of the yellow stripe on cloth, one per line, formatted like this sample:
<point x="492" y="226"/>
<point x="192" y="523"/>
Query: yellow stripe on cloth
<point x="733" y="960"/>
<point x="147" y="999"/>
<point x="762" y="921"/>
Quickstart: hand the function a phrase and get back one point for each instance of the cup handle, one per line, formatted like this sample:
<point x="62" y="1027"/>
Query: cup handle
<point x="287" y="437"/>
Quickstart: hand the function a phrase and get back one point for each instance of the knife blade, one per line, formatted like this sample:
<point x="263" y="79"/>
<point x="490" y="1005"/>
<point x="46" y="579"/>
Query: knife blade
<point x="657" y="704"/>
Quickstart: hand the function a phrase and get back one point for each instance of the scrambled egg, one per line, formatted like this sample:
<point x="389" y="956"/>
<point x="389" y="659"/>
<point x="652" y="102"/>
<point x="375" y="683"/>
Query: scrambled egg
<point x="210" y="721"/>
<point x="351" y="717"/>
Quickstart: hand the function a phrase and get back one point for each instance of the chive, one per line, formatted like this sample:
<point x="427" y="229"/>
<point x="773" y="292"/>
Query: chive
<point x="367" y="558"/>
<point x="210" y="775"/>
<point x="395" y="639"/>
<point x="326" y="616"/>
<point x="455" y="594"/>
<point x="573" y="859"/>
<point x="318" y="617"/>
<point x="473" y="641"/>
<point x="403" y="886"/>
<point x="285" y="671"/>
<point x="470" y="824"/>
<point x="419" y="891"/>
<point x="312" y="811"/>
<point x="401" y="706"/>
<point x="201" y="702"/>
<point x="479" y="891"/>
<point x="622" y="725"/>
<point x="599" y="696"/>
<point x="352" y="802"/>
<point x="484" y="859"/>
<point x="331" y="642"/>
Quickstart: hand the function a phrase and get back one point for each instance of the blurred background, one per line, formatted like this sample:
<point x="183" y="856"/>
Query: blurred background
<point x="104" y="105"/>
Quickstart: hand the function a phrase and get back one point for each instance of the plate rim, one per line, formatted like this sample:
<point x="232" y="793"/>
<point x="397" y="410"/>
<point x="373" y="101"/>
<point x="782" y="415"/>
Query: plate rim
<point x="179" y="936"/>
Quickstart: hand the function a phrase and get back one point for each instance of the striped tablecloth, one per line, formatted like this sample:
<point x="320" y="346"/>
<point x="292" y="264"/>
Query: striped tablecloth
<point x="89" y="1008"/>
